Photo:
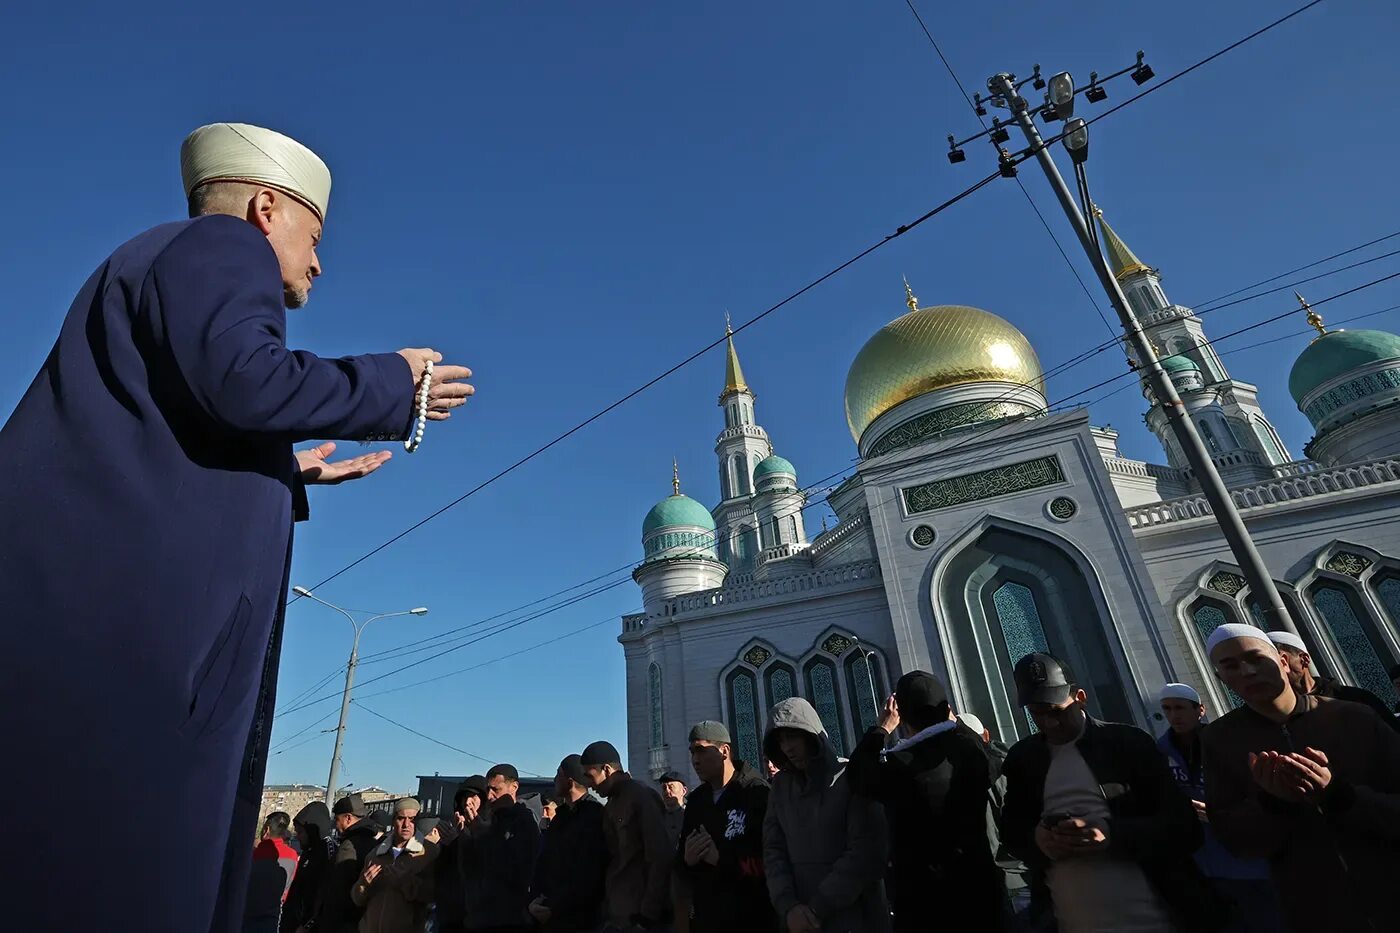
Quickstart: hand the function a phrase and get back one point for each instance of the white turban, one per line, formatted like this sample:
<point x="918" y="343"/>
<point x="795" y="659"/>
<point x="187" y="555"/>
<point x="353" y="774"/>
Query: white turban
<point x="1235" y="630"/>
<point x="972" y="722"/>
<point x="1179" y="692"/>
<point x="239" y="152"/>
<point x="1288" y="640"/>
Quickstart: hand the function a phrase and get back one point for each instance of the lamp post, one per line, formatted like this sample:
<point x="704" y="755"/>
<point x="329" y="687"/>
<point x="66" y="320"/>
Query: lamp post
<point x="1060" y="105"/>
<point x="359" y="628"/>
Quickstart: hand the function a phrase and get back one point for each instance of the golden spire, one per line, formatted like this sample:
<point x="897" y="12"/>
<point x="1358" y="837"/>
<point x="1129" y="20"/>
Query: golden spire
<point x="909" y="297"/>
<point x="675" y="477"/>
<point x="1121" y="259"/>
<point x="733" y="373"/>
<point x="1314" y="318"/>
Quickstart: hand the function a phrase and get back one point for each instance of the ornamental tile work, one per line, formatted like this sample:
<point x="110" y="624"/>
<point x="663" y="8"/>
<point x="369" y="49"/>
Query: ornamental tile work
<point x="1334" y="607"/>
<point x="1353" y="391"/>
<point x="985" y="484"/>
<point x="1063" y="508"/>
<point x="944" y="419"/>
<point x="922" y="536"/>
<point x="1226" y="582"/>
<point x="1353" y="565"/>
<point x="744" y="699"/>
<point x="757" y="655"/>
<point x="780" y="685"/>
<point x="823" y="686"/>
<point x="836" y="644"/>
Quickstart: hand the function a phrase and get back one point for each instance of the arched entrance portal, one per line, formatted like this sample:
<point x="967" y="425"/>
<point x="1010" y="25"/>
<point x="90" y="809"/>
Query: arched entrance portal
<point x="1008" y="594"/>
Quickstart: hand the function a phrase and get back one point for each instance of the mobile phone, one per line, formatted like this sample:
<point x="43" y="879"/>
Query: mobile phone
<point x="1051" y="820"/>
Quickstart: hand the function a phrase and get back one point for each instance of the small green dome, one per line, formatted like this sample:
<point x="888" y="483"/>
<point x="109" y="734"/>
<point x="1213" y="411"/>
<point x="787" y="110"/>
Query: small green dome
<point x="677" y="510"/>
<point x="771" y="465"/>
<point x="1337" y="353"/>
<point x="1180" y="364"/>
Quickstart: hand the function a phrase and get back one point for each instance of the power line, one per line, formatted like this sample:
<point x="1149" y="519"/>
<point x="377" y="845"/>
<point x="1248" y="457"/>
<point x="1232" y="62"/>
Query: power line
<point x="1316" y="262"/>
<point x="1295" y="284"/>
<point x="421" y="735"/>
<point x="301" y="732"/>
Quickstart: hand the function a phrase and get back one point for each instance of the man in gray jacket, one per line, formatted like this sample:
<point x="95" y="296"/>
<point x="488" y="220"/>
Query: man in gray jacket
<point x="824" y="850"/>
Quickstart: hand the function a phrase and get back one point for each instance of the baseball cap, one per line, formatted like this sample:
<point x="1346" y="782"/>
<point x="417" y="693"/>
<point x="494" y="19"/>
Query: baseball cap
<point x="1041" y="678"/>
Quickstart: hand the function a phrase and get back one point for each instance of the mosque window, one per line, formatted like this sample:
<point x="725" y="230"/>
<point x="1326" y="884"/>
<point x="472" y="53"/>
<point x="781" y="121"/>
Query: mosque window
<point x="1208" y="616"/>
<point x="1021" y="626"/>
<point x="1267" y="442"/>
<point x="1208" y="436"/>
<point x="743" y="713"/>
<point x="1388" y="590"/>
<point x="792" y="528"/>
<point x="741" y="470"/>
<point x="781" y="682"/>
<point x="654" y="687"/>
<point x="822" y="690"/>
<point x="866" y="687"/>
<point x="1354" y="633"/>
<point x="1159" y="299"/>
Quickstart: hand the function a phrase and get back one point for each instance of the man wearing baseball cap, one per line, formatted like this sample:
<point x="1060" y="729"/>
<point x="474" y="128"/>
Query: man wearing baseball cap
<point x="1308" y="782"/>
<point x="1095" y="814"/>
<point x="1298" y="659"/>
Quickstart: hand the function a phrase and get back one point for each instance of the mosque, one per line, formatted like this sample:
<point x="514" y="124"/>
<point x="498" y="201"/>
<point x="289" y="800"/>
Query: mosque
<point x="978" y="527"/>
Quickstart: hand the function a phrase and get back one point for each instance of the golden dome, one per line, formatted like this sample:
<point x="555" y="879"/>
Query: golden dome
<point x="935" y="348"/>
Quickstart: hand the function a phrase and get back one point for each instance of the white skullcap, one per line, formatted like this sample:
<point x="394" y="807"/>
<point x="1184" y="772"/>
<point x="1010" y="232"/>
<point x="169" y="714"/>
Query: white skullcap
<point x="1288" y="640"/>
<point x="239" y="152"/>
<point x="972" y="722"/>
<point x="1235" y="630"/>
<point x="1179" y="692"/>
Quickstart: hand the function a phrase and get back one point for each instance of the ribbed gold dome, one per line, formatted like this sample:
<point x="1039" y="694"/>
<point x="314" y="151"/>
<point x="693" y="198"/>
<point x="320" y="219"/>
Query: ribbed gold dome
<point x="935" y="348"/>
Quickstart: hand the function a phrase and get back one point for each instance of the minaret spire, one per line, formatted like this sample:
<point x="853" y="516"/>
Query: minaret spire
<point x="733" y="373"/>
<point x="675" y="477"/>
<point x="1121" y="259"/>
<point x="1314" y="318"/>
<point x="910" y="298"/>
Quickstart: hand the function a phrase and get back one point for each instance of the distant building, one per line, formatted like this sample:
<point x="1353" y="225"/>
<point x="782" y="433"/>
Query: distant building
<point x="290" y="798"/>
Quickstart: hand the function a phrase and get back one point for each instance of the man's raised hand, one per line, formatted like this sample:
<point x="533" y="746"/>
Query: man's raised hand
<point x="448" y="390"/>
<point x="316" y="469"/>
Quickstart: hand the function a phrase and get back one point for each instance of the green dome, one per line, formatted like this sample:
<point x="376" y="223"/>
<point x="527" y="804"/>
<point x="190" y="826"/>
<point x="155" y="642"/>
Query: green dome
<point x="1180" y="364"/>
<point x="677" y="510"/>
<point x="771" y="465"/>
<point x="1337" y="353"/>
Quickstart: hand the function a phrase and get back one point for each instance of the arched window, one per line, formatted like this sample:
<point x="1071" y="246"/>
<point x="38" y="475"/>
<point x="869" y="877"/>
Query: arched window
<point x="867" y="688"/>
<point x="792" y="528"/>
<point x="744" y="476"/>
<point x="1139" y="303"/>
<point x="742" y="694"/>
<point x="781" y="683"/>
<point x="1267" y="443"/>
<point x="825" y="695"/>
<point x="658" y="734"/>
<point x="1021" y="628"/>
<point x="1387" y="587"/>
<point x="1208" y="436"/>
<point x="1207" y="616"/>
<point x="1354" y="632"/>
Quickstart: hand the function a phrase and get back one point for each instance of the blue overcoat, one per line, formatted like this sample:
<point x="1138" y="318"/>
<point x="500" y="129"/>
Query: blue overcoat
<point x="147" y="490"/>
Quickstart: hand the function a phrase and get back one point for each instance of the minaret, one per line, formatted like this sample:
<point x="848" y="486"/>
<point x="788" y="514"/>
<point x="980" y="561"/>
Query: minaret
<point x="740" y="447"/>
<point x="1240" y="437"/>
<point x="678" y="549"/>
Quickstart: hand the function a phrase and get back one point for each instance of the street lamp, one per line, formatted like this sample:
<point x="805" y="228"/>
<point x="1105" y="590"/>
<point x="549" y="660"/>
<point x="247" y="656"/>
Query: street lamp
<point x="359" y="628"/>
<point x="1061" y="96"/>
<point x="1076" y="140"/>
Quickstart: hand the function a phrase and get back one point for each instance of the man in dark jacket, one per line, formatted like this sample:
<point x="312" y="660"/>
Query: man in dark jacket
<point x="1296" y="657"/>
<point x="496" y="852"/>
<point x="568" y="889"/>
<point x="1094" y="812"/>
<point x="721" y="841"/>
<point x="934" y="784"/>
<point x="312" y="824"/>
<point x="639" y="850"/>
<point x="449" y="888"/>
<point x="1310" y="783"/>
<point x="358" y="835"/>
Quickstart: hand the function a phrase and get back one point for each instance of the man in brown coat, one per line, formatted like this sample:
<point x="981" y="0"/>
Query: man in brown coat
<point x="396" y="886"/>
<point x="640" y="850"/>
<point x="1310" y="783"/>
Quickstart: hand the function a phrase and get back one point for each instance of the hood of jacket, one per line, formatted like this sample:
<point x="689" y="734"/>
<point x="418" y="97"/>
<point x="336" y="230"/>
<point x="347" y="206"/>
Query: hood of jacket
<point x="316" y="817"/>
<point x="797" y="713"/>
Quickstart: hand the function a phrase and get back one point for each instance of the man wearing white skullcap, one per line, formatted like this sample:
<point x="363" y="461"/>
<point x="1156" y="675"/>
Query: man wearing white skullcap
<point x="1242" y="882"/>
<point x="1309" y="783"/>
<point x="1298" y="660"/>
<point x="150" y="486"/>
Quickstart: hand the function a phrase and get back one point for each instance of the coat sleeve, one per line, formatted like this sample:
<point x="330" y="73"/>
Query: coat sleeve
<point x="1239" y="817"/>
<point x="782" y="884"/>
<point x="864" y="770"/>
<point x="861" y="864"/>
<point x="657" y="848"/>
<point x="217" y="313"/>
<point x="1019" y="814"/>
<point x="1170" y="824"/>
<point x="1370" y="810"/>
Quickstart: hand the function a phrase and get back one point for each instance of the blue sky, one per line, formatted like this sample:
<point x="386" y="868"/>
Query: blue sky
<point x="568" y="196"/>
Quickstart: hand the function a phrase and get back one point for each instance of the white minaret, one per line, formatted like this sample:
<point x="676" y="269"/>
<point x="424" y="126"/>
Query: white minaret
<point x="1243" y="442"/>
<point x="740" y="447"/>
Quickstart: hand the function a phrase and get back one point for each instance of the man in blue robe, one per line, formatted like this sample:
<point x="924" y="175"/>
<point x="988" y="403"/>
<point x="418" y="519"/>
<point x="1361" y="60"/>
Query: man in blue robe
<point x="148" y="488"/>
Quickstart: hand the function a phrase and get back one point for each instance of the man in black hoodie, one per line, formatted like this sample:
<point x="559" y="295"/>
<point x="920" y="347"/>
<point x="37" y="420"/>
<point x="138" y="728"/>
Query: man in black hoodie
<point x="358" y="835"/>
<point x="721" y="839"/>
<point x="312" y="824"/>
<point x="934" y="786"/>
<point x="449" y="888"/>
<point x="497" y="855"/>
<point x="567" y="891"/>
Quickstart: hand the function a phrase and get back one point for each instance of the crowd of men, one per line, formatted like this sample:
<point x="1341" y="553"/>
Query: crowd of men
<point x="1283" y="814"/>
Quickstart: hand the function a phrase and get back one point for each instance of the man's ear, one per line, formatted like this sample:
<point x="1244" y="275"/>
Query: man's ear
<point x="261" y="207"/>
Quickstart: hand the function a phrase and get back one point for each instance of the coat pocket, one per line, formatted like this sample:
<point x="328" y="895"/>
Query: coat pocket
<point x="217" y="670"/>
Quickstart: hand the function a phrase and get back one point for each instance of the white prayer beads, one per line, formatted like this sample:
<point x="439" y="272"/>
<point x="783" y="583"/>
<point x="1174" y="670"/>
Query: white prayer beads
<point x="421" y="422"/>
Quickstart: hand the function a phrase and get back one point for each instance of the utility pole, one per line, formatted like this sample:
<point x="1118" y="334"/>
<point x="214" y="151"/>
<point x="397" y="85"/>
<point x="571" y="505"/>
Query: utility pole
<point x="350" y="666"/>
<point x="1059" y="104"/>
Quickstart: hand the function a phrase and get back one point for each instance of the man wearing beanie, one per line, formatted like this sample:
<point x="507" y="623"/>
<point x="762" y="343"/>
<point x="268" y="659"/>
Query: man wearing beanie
<point x="566" y="895"/>
<point x="639" y="851"/>
<point x="1310" y="783"/>
<point x="721" y="844"/>
<point x="934" y="783"/>
<point x="395" y="888"/>
<point x="1298" y="659"/>
<point x="356" y="837"/>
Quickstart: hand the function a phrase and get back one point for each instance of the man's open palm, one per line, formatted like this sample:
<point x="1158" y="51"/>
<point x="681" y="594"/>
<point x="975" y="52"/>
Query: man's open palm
<point x="318" y="470"/>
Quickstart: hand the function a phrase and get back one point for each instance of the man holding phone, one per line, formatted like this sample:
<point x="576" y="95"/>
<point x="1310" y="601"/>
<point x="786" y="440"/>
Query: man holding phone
<point x="1094" y="812"/>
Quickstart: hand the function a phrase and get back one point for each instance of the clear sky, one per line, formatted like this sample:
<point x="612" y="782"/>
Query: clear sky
<point x="567" y="197"/>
